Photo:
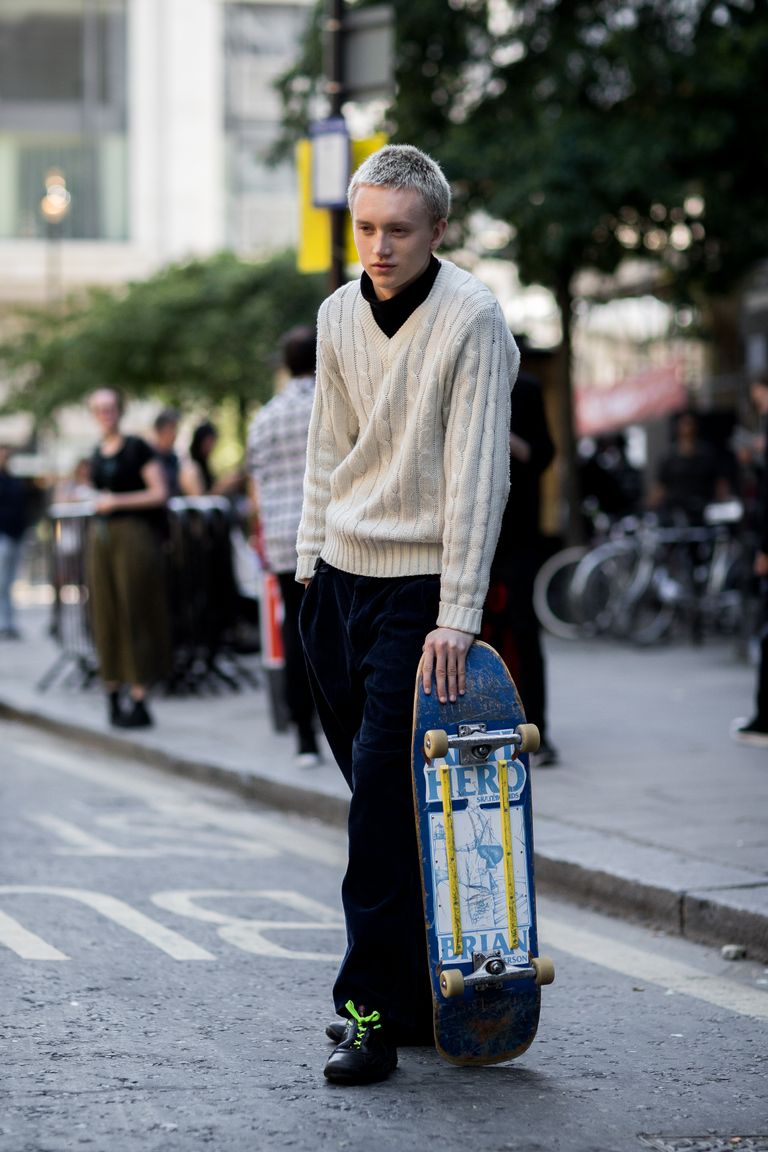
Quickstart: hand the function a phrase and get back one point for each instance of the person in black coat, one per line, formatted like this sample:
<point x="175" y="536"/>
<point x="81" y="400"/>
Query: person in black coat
<point x="509" y="620"/>
<point x="755" y="731"/>
<point x="13" y="521"/>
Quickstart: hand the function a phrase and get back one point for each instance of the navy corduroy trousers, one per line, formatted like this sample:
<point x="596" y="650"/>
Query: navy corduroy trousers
<point x="363" y="638"/>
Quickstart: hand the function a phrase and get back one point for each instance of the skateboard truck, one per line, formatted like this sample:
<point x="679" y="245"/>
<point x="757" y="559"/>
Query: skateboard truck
<point x="475" y="743"/>
<point x="491" y="970"/>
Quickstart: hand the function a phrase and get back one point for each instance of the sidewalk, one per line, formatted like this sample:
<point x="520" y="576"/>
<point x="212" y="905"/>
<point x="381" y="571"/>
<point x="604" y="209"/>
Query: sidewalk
<point x="653" y="813"/>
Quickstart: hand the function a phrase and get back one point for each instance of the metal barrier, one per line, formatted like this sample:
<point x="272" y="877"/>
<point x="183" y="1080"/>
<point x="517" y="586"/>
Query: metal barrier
<point x="204" y="603"/>
<point x="70" y="625"/>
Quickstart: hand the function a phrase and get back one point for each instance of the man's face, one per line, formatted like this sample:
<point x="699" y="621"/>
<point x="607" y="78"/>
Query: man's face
<point x="394" y="236"/>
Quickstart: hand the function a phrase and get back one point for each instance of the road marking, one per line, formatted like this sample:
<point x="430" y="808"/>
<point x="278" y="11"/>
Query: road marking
<point x="194" y="841"/>
<point x="168" y="941"/>
<point x="646" y="966"/>
<point x="248" y="934"/>
<point x="175" y="802"/>
<point x="25" y="943"/>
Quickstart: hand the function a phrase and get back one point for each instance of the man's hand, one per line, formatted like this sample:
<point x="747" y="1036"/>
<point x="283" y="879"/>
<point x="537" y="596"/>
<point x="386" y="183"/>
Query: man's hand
<point x="761" y="564"/>
<point x="445" y="654"/>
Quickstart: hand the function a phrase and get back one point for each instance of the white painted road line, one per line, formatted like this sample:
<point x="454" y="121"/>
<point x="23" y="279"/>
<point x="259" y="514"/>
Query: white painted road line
<point x="168" y="941"/>
<point x="641" y="965"/>
<point x="179" y="802"/>
<point x="24" y="943"/>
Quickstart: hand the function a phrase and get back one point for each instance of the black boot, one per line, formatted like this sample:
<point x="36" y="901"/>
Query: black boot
<point x="115" y="711"/>
<point x="365" y="1055"/>
<point x="138" y="717"/>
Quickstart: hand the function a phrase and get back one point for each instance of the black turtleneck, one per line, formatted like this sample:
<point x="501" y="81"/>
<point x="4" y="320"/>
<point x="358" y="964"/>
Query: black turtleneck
<point x="390" y="315"/>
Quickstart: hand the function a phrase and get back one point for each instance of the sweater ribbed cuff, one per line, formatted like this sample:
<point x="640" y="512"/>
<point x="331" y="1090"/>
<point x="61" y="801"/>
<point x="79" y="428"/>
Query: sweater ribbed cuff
<point x="465" y="619"/>
<point x="305" y="569"/>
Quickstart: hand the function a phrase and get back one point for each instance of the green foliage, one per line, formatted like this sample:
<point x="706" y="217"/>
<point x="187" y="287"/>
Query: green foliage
<point x="603" y="130"/>
<point x="594" y="129"/>
<point x="206" y="331"/>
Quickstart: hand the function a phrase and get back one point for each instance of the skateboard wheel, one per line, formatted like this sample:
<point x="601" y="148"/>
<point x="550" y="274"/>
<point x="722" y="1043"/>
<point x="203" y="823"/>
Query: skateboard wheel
<point x="435" y="743"/>
<point x="544" y="968"/>
<point x="451" y="982"/>
<point x="530" y="738"/>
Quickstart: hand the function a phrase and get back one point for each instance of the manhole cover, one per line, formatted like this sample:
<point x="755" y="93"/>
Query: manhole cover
<point x="705" y="1143"/>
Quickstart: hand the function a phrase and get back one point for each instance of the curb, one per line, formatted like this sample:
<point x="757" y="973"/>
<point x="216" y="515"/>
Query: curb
<point x="699" y="916"/>
<point x="715" y="917"/>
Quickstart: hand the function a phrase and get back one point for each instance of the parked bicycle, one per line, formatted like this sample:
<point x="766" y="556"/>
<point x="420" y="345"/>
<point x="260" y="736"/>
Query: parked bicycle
<point x="645" y="580"/>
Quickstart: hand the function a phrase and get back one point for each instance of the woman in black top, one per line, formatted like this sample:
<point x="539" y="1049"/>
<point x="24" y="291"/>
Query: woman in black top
<point x="125" y="563"/>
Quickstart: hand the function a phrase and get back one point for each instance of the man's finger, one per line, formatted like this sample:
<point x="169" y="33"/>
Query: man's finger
<point x="440" y="678"/>
<point x="426" y="670"/>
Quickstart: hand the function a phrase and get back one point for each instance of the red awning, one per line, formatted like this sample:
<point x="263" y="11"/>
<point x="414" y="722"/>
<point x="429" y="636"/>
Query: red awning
<point x="644" y="395"/>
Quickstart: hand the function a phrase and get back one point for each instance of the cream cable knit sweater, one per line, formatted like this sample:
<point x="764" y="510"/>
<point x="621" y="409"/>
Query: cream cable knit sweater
<point x="408" y="456"/>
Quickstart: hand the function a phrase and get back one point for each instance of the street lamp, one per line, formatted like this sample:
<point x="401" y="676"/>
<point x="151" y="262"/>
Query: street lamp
<point x="54" y="207"/>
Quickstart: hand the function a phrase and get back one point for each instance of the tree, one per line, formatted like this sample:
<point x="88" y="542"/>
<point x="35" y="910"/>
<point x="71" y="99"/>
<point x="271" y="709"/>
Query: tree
<point x="205" y="331"/>
<point x="596" y="130"/>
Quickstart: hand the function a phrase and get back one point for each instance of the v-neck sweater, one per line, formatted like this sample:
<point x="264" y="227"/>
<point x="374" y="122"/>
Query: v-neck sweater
<point x="408" y="453"/>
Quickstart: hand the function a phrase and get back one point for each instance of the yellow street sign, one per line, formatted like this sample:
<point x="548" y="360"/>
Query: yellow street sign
<point x="315" y="223"/>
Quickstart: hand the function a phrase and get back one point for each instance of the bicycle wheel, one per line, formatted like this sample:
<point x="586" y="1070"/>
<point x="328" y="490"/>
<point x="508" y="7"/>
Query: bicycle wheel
<point x="600" y="586"/>
<point x="652" y="614"/>
<point x="552" y="594"/>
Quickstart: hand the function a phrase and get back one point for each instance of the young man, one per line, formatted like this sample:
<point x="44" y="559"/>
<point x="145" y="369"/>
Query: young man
<point x="407" y="478"/>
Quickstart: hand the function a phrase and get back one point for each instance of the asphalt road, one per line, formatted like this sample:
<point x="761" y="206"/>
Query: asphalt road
<point x="166" y="955"/>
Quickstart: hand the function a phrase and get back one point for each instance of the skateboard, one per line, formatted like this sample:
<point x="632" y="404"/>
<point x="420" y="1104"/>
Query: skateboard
<point x="472" y="801"/>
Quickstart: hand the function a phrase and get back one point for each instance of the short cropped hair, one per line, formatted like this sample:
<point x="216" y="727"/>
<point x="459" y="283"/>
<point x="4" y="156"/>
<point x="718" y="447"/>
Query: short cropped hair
<point x="403" y="166"/>
<point x="165" y="418"/>
<point x="299" y="350"/>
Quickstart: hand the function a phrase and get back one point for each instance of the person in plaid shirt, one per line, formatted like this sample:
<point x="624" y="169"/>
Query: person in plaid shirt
<point x="277" y="451"/>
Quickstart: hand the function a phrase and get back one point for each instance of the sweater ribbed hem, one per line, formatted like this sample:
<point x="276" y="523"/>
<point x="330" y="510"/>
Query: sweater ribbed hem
<point x="384" y="559"/>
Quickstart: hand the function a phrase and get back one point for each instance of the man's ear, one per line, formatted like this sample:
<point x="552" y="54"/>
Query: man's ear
<point x="438" y="232"/>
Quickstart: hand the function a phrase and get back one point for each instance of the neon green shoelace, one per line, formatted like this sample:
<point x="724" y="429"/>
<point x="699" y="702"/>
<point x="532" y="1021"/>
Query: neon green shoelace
<point x="363" y="1022"/>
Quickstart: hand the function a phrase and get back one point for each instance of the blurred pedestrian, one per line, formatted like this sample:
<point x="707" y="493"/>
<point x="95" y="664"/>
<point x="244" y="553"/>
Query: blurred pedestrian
<point x="13" y="521"/>
<point x="277" y="453"/>
<point x="755" y="731"/>
<point x="609" y="485"/>
<point x="690" y="476"/>
<point x="166" y="428"/>
<point x="196" y="476"/>
<point x="510" y="623"/>
<point x="125" y="571"/>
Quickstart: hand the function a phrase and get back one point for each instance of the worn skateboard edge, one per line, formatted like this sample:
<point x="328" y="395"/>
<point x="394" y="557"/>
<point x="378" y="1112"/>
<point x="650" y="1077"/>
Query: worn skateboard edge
<point x="534" y="994"/>
<point x="470" y="1061"/>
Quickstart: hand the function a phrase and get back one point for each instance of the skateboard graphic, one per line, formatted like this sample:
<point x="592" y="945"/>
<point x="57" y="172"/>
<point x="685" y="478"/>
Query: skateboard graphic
<point x="472" y="800"/>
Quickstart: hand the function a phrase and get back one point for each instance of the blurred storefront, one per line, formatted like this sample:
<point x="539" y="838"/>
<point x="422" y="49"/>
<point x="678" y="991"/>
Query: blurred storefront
<point x="158" y="115"/>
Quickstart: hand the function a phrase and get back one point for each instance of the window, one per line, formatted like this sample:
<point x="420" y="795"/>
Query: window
<point x="63" y="105"/>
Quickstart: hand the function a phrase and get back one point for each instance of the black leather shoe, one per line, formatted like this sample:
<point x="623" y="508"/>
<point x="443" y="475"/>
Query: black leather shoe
<point x="365" y="1055"/>
<point x="337" y="1030"/>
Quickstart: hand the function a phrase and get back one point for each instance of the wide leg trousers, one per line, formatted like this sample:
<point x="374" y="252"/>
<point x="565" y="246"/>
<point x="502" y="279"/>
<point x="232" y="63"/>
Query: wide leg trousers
<point x="363" y="638"/>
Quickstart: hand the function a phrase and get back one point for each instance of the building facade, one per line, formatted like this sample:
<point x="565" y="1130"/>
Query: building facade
<point x="158" y="115"/>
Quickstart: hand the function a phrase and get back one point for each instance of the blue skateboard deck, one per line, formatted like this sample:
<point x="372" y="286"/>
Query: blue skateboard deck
<point x="474" y="821"/>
